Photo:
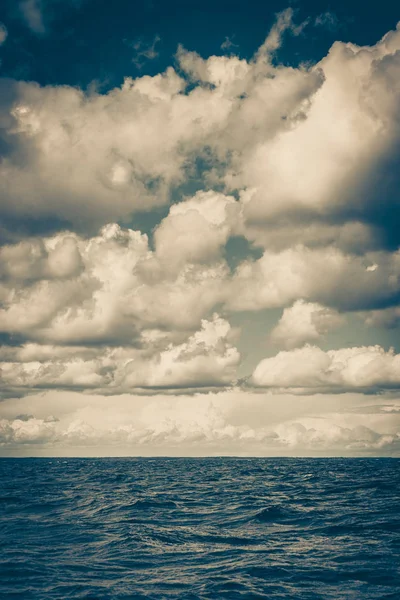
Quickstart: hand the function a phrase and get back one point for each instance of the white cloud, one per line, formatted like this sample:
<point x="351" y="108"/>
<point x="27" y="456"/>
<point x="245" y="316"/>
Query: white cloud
<point x="303" y="145"/>
<point x="304" y="322"/>
<point x="347" y="126"/>
<point x="284" y="22"/>
<point x="227" y="422"/>
<point x="310" y="368"/>
<point x="324" y="275"/>
<point x="32" y="431"/>
<point x="112" y="290"/>
<point x="315" y="434"/>
<point x="41" y="259"/>
<point x="205" y="359"/>
<point x="90" y="159"/>
<point x="195" y="230"/>
<point x="123" y="151"/>
<point x="299" y="157"/>
<point x="105" y="289"/>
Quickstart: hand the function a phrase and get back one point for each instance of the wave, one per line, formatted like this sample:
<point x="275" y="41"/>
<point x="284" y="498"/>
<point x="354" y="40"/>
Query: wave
<point x="191" y="529"/>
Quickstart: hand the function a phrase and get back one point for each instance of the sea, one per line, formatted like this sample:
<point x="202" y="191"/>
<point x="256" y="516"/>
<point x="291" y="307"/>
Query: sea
<point x="200" y="528"/>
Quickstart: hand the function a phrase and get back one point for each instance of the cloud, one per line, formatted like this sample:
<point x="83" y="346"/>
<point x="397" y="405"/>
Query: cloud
<point x="195" y="230"/>
<point x="126" y="150"/>
<point x="305" y="148"/>
<point x="145" y="52"/>
<point x="325" y="275"/>
<point x="323" y="435"/>
<point x="226" y="422"/>
<point x="304" y="322"/>
<point x="3" y="33"/>
<point x="113" y="290"/>
<point x="115" y="165"/>
<point x="299" y="164"/>
<point x="32" y="259"/>
<point x="368" y="368"/>
<point x="327" y="20"/>
<point x="228" y="43"/>
<point x="331" y="164"/>
<point x="284" y="22"/>
<point x="388" y="318"/>
<point x="110" y="288"/>
<point x="31" y="11"/>
<point x="198" y="434"/>
<point x="205" y="359"/>
<point x="22" y="431"/>
<point x="39" y="15"/>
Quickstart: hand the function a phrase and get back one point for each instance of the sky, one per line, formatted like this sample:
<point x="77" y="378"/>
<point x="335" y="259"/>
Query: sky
<point x="199" y="228"/>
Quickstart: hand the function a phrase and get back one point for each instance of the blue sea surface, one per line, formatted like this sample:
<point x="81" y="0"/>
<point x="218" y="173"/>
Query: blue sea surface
<point x="207" y="528"/>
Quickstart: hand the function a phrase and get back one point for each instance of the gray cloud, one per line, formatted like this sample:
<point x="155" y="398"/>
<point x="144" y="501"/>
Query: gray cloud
<point x="3" y="33"/>
<point x="145" y="51"/>
<point x="31" y="11"/>
<point x="328" y="20"/>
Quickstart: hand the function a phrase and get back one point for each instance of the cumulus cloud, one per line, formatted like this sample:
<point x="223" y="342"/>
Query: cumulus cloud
<point x="124" y="150"/>
<point x="297" y="163"/>
<point x="26" y="431"/>
<point x="108" y="288"/>
<point x="204" y="434"/>
<point x="114" y="291"/>
<point x="316" y="435"/>
<point x="91" y="159"/>
<point x="325" y="275"/>
<point x="38" y="258"/>
<point x="319" y="165"/>
<point x="195" y="230"/>
<point x="368" y="368"/>
<point x="225" y="422"/>
<point x="301" y="145"/>
<point x="304" y="322"/>
<point x="205" y="359"/>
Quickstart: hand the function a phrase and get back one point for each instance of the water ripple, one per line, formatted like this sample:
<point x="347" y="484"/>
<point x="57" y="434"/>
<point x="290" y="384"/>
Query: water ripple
<point x="111" y="529"/>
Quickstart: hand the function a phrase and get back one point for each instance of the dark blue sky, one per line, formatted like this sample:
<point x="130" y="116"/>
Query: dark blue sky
<point x="93" y="40"/>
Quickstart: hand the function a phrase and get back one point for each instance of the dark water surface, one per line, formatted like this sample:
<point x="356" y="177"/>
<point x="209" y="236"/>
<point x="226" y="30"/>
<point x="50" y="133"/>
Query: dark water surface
<point x="200" y="528"/>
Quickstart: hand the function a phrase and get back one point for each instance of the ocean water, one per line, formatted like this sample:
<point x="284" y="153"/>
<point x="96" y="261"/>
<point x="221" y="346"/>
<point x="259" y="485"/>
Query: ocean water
<point x="304" y="529"/>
